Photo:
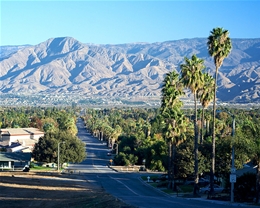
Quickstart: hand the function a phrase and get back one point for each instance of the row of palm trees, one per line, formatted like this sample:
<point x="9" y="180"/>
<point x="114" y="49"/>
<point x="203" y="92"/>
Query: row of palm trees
<point x="102" y="129"/>
<point x="204" y="88"/>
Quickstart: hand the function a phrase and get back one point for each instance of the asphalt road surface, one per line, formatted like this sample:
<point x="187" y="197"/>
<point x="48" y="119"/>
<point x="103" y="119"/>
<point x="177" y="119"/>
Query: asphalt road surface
<point x="127" y="186"/>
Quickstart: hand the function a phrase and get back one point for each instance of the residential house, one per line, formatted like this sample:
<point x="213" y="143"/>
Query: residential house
<point x="10" y="160"/>
<point x="19" y="139"/>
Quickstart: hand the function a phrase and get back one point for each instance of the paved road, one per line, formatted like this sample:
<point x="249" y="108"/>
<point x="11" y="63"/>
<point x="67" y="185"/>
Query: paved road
<point x="126" y="186"/>
<point x="97" y="159"/>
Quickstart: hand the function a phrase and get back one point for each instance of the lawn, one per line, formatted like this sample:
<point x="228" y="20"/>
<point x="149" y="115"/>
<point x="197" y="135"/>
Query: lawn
<point x="163" y="185"/>
<point x="41" y="168"/>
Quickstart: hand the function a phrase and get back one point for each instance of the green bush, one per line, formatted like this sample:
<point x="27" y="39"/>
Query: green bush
<point x="157" y="165"/>
<point x="125" y="159"/>
<point x="162" y="184"/>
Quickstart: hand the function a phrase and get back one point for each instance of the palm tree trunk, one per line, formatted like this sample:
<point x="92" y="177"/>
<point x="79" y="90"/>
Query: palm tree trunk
<point x="202" y="126"/>
<point x="173" y="167"/>
<point x="213" y="153"/>
<point x="169" y="164"/>
<point x="101" y="136"/>
<point x="207" y="127"/>
<point x="196" y="165"/>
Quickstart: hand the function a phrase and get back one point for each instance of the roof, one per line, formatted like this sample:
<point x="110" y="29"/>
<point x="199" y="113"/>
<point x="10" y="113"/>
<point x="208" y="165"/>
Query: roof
<point x="15" y="156"/>
<point x="21" y="131"/>
<point x="248" y="168"/>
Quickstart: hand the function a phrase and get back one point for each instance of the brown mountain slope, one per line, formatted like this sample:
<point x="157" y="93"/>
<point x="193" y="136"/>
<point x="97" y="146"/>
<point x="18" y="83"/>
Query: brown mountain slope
<point x="65" y="65"/>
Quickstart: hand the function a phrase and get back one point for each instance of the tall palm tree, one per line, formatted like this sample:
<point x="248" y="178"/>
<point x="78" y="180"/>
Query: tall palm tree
<point x="192" y="77"/>
<point x="206" y="96"/>
<point x="174" y="132"/>
<point x="219" y="47"/>
<point x="174" y="120"/>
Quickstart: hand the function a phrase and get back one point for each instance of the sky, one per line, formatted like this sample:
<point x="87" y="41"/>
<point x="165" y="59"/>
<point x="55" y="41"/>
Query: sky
<point x="125" y="21"/>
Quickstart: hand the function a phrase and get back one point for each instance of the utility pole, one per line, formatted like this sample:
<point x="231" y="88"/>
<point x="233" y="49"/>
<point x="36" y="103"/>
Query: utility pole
<point x="116" y="148"/>
<point x="59" y="155"/>
<point x="233" y="169"/>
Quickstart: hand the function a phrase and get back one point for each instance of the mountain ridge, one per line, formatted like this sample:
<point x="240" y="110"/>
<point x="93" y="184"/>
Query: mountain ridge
<point x="65" y="64"/>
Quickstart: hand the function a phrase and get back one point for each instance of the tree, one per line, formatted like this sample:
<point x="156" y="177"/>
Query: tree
<point x="72" y="150"/>
<point x="67" y="123"/>
<point x="251" y="131"/>
<point x="192" y="78"/>
<point x="174" y="120"/>
<point x="116" y="133"/>
<point x="206" y="95"/>
<point x="185" y="158"/>
<point x="219" y="47"/>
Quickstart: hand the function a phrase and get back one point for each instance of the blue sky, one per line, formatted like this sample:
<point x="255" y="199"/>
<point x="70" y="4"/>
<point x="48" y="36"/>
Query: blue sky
<point x="116" y="22"/>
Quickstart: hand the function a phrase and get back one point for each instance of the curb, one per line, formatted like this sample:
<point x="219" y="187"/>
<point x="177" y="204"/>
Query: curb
<point x="199" y="199"/>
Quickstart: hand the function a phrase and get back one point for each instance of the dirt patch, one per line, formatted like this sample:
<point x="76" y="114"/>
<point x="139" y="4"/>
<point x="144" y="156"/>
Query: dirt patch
<point x="36" y="189"/>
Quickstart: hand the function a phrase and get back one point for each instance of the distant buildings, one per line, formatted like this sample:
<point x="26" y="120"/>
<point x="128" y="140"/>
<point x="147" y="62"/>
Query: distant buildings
<point x="19" y="139"/>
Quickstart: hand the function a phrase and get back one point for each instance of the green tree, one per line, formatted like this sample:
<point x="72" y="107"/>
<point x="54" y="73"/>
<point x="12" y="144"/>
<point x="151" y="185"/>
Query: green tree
<point x="67" y="123"/>
<point x="185" y="158"/>
<point x="156" y="155"/>
<point x="219" y="47"/>
<point x="72" y="150"/>
<point x="206" y="95"/>
<point x="174" y="120"/>
<point x="192" y="78"/>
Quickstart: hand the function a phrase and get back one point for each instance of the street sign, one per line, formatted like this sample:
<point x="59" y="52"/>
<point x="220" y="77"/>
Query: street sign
<point x="233" y="170"/>
<point x="233" y="178"/>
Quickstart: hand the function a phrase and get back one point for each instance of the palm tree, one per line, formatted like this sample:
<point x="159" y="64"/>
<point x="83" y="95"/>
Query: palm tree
<point x="206" y="95"/>
<point x="192" y="77"/>
<point x="174" y="120"/>
<point x="219" y="47"/>
<point x="108" y="133"/>
<point x="115" y="134"/>
<point x="171" y="91"/>
<point x="174" y="131"/>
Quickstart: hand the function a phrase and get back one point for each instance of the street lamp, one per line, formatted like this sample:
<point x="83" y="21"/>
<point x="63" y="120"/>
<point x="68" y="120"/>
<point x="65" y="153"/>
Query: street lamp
<point x="116" y="148"/>
<point x="59" y="155"/>
<point x="232" y="176"/>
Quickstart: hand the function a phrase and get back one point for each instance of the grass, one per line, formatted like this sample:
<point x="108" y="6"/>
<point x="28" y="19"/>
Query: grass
<point x="183" y="188"/>
<point x="41" y="168"/>
<point x="168" y="191"/>
<point x="186" y="188"/>
<point x="151" y="178"/>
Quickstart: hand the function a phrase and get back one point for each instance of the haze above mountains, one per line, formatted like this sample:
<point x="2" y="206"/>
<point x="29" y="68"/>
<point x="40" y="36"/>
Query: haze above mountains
<point x="135" y="69"/>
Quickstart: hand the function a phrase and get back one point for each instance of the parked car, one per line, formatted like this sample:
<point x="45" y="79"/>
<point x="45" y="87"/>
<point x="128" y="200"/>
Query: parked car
<point x="202" y="182"/>
<point x="26" y="168"/>
<point x="163" y="177"/>
<point x="206" y="189"/>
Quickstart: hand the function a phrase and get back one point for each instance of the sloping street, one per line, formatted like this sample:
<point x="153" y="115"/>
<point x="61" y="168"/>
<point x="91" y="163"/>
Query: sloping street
<point x="127" y="186"/>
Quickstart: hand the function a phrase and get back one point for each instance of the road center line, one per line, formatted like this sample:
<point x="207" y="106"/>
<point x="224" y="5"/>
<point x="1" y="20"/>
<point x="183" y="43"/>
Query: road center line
<point x="124" y="185"/>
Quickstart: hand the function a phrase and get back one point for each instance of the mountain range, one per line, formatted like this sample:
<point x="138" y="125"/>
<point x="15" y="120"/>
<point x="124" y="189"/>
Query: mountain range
<point x="65" y="64"/>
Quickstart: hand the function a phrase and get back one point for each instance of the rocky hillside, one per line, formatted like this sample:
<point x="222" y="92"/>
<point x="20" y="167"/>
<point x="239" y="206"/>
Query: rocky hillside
<point x="136" y="69"/>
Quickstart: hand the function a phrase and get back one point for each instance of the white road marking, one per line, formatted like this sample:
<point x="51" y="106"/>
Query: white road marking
<point x="124" y="185"/>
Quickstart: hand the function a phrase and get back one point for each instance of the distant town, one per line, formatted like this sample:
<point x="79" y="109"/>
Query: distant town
<point x="83" y="100"/>
<point x="75" y="99"/>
